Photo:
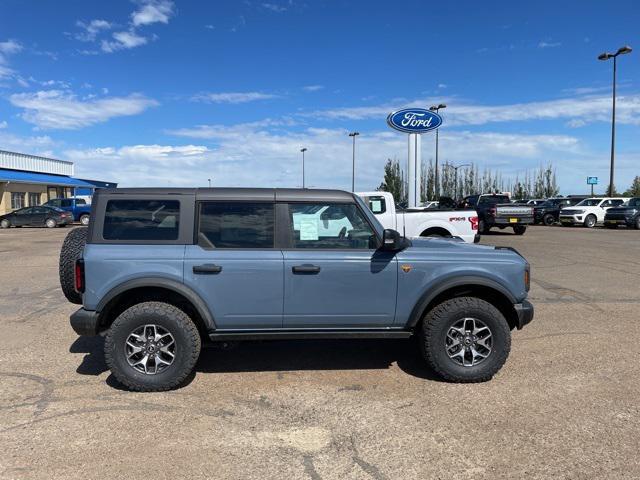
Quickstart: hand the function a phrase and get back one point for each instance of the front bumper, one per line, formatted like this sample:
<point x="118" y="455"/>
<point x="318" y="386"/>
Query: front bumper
<point x="85" y="322"/>
<point x="572" y="219"/>
<point x="524" y="312"/>
<point x="619" y="220"/>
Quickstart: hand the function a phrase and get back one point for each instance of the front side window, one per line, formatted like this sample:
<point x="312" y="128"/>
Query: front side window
<point x="17" y="200"/>
<point x="332" y="226"/>
<point x="141" y="220"/>
<point x="236" y="225"/>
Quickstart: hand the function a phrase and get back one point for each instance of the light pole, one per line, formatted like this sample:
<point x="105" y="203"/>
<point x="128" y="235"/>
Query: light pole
<point x="303" y="150"/>
<point x="353" y="171"/>
<point x="607" y="56"/>
<point x="209" y="180"/>
<point x="455" y="188"/>
<point x="435" y="108"/>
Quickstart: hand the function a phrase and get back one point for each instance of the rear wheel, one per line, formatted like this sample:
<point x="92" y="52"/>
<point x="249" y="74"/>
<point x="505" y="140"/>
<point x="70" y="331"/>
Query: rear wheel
<point x="152" y="347"/>
<point x="71" y="250"/>
<point x="5" y="223"/>
<point x="519" y="229"/>
<point x="590" y="221"/>
<point x="637" y="223"/>
<point x="50" y="223"/>
<point x="548" y="219"/>
<point x="465" y="339"/>
<point x="84" y="219"/>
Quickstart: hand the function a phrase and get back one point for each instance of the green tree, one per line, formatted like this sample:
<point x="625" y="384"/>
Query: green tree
<point x="634" y="189"/>
<point x="394" y="181"/>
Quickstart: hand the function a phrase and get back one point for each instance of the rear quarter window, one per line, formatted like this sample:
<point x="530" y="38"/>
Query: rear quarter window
<point x="141" y="220"/>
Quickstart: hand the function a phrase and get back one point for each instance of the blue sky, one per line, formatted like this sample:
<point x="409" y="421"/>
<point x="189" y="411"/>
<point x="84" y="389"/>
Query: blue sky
<point x="158" y="92"/>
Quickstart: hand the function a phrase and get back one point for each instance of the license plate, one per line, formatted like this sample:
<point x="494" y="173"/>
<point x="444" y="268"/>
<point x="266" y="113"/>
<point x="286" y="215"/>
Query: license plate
<point x="513" y="220"/>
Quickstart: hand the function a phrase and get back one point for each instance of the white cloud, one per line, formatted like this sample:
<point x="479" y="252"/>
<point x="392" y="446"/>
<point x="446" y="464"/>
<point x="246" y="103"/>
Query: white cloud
<point x="3" y="124"/>
<point x="58" y="109"/>
<point x="544" y="44"/>
<point x="274" y="7"/>
<point x="91" y="29"/>
<point x="123" y="40"/>
<point x="152" y="11"/>
<point x="232" y="97"/>
<point x="313" y="88"/>
<point x="10" y="47"/>
<point x="36" y="145"/>
<point x="589" y="109"/>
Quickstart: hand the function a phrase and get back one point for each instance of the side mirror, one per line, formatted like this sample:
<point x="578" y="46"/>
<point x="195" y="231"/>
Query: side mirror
<point x="391" y="240"/>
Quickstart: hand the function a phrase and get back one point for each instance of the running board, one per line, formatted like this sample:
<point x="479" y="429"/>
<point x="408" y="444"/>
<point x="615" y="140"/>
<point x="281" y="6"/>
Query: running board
<point x="235" y="335"/>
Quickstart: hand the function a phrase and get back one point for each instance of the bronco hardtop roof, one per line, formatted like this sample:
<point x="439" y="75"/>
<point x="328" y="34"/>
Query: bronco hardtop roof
<point x="246" y="194"/>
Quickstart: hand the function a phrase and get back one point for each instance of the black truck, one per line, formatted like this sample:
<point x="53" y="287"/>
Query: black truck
<point x="495" y="210"/>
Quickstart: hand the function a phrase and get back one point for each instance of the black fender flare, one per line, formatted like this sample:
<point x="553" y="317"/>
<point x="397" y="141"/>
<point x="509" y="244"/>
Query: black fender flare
<point x="166" y="283"/>
<point x="466" y="280"/>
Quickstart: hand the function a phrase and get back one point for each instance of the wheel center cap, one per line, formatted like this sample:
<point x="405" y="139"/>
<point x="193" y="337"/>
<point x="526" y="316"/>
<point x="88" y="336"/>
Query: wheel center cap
<point x="467" y="341"/>
<point x="151" y="348"/>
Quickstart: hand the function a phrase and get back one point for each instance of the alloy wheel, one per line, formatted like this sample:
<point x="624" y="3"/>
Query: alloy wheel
<point x="150" y="349"/>
<point x="469" y="342"/>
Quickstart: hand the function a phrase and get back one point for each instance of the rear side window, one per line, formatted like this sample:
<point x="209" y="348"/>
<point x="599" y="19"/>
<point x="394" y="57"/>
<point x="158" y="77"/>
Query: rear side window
<point x="236" y="225"/>
<point x="377" y="204"/>
<point x="141" y="220"/>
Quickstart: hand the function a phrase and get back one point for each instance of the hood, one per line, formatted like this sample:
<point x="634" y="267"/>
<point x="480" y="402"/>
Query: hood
<point x="446" y="243"/>
<point x="622" y="208"/>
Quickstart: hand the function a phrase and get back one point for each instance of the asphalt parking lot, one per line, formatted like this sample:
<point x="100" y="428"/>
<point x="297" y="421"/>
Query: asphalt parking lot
<point x="566" y="404"/>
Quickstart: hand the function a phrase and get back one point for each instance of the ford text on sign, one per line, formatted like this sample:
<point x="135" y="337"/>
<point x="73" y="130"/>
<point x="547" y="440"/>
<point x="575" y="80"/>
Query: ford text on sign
<point x="414" y="120"/>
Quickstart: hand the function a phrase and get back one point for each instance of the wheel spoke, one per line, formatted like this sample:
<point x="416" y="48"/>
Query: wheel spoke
<point x="150" y="349"/>
<point x="468" y="341"/>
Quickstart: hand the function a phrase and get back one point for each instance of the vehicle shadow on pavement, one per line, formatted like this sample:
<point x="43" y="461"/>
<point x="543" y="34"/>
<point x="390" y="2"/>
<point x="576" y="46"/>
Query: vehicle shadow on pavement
<point x="282" y="356"/>
<point x="291" y="355"/>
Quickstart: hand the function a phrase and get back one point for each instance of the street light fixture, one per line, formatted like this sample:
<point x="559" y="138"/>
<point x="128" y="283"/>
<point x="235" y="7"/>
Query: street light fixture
<point x="303" y="150"/>
<point x="606" y="56"/>
<point x="435" y="108"/>
<point x="455" y="188"/>
<point x="353" y="172"/>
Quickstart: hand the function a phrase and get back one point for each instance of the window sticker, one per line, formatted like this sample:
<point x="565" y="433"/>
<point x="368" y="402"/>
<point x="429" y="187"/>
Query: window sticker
<point x="309" y="228"/>
<point x="376" y="206"/>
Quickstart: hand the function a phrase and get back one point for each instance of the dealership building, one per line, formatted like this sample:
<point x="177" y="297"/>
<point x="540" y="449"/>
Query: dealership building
<point x="30" y="180"/>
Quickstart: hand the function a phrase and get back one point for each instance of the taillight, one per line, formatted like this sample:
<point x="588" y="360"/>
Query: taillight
<point x="79" y="276"/>
<point x="474" y="223"/>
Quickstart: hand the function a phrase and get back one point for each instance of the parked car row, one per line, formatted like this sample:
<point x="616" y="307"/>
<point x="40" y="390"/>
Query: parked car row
<point x="58" y="212"/>
<point x="589" y="211"/>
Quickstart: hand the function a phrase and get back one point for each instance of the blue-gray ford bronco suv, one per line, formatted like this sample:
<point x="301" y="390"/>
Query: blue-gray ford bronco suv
<point x="160" y="272"/>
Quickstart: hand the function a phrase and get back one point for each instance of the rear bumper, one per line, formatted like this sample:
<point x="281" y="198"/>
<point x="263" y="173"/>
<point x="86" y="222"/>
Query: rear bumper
<point x="524" y="312"/>
<point x="84" y="322"/>
<point x="507" y="221"/>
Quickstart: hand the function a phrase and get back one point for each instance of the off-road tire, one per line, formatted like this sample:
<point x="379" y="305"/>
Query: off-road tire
<point x="548" y="220"/>
<point x="519" y="229"/>
<point x="71" y="250"/>
<point x="171" y="318"/>
<point x="436" y="324"/>
<point x="587" y="220"/>
<point x="5" y="223"/>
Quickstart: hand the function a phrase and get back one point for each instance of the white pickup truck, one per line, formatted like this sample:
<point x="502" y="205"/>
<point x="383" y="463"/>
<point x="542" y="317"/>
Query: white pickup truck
<point x="421" y="222"/>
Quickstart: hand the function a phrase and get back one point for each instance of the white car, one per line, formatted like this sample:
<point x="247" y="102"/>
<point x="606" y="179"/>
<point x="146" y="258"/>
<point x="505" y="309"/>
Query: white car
<point x="589" y="212"/>
<point x="421" y="222"/>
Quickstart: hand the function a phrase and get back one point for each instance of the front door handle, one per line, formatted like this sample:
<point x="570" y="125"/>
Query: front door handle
<point x="308" y="269"/>
<point x="208" y="268"/>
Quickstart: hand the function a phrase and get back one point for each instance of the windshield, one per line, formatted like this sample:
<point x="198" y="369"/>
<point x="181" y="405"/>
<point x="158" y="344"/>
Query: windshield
<point x="634" y="202"/>
<point x="589" y="202"/>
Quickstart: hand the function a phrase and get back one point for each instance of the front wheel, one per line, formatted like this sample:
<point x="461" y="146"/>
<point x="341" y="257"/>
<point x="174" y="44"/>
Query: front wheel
<point x="152" y="347"/>
<point x="84" y="220"/>
<point x="548" y="220"/>
<point x="519" y="229"/>
<point x="5" y="223"/>
<point x="465" y="339"/>
<point x="590" y="221"/>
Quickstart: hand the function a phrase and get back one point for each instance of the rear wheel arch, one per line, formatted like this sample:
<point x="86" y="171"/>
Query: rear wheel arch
<point x="478" y="287"/>
<point x="436" y="232"/>
<point x="162" y="290"/>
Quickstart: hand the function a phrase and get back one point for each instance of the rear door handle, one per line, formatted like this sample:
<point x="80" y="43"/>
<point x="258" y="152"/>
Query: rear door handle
<point x="208" y="268"/>
<point x="309" y="269"/>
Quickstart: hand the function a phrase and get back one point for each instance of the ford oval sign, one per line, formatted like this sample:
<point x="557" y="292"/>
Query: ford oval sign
<point x="414" y="120"/>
